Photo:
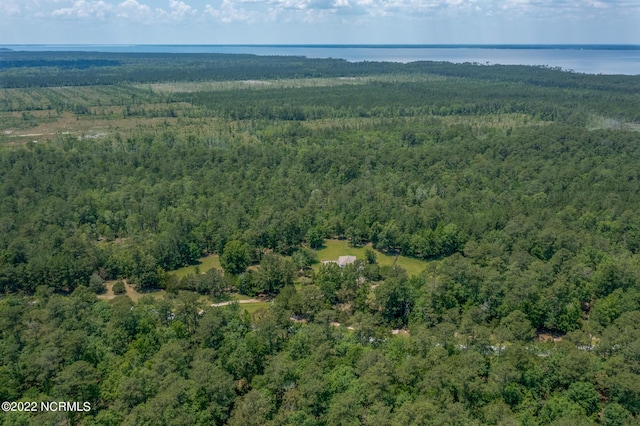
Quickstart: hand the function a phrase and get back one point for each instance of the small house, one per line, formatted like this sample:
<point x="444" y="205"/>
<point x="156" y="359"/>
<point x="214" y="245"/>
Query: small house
<point x="346" y="260"/>
<point x="342" y="261"/>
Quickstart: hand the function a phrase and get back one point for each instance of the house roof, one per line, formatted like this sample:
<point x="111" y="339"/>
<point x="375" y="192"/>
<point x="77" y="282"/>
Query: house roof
<point x="346" y="260"/>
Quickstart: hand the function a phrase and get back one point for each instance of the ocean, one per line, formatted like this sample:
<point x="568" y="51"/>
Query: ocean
<point x="589" y="59"/>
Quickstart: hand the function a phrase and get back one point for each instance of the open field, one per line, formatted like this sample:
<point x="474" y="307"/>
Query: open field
<point x="188" y="87"/>
<point x="600" y="122"/>
<point x="250" y="304"/>
<point x="253" y="307"/>
<point x="67" y="124"/>
<point x="206" y="263"/>
<point x="334" y="248"/>
<point x="122" y="111"/>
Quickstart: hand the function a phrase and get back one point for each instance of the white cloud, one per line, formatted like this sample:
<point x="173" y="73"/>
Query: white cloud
<point x="28" y="8"/>
<point x="10" y="8"/>
<point x="252" y="11"/>
<point x="349" y="20"/>
<point x="374" y="8"/>
<point x="84" y="9"/>
<point x="131" y="9"/>
<point x="178" y="10"/>
<point x="228" y="12"/>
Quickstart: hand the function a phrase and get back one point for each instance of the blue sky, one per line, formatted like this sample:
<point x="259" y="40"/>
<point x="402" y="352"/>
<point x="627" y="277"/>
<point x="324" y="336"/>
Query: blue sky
<point x="318" y="21"/>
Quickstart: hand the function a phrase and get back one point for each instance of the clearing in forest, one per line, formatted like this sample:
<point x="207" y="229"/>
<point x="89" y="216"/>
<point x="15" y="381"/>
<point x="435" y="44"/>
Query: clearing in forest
<point x="333" y="249"/>
<point x="129" y="291"/>
<point x="204" y="264"/>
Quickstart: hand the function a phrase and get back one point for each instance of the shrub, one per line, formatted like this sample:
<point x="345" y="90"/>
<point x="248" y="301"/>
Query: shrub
<point x="119" y="288"/>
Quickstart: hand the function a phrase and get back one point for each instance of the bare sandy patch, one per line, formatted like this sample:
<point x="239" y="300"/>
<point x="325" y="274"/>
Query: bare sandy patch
<point x="129" y="291"/>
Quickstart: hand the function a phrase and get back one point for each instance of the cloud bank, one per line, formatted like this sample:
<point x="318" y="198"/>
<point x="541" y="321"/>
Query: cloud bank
<point x="320" y="21"/>
<point x="228" y="11"/>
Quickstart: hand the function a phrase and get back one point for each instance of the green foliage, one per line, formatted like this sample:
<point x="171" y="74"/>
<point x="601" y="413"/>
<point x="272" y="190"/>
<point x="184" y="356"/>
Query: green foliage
<point x="235" y="257"/>
<point x="585" y="395"/>
<point x="96" y="284"/>
<point x="274" y="273"/>
<point x="516" y="326"/>
<point x="302" y="259"/>
<point x="394" y="301"/>
<point x="315" y="238"/>
<point x="615" y="415"/>
<point x="119" y="288"/>
<point x="211" y="283"/>
<point x="329" y="280"/>
<point x="370" y="256"/>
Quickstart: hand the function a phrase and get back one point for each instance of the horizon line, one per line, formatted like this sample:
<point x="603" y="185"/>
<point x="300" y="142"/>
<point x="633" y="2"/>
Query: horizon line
<point x="350" y="45"/>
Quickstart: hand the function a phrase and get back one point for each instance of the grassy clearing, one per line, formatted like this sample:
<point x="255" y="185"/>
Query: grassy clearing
<point x="253" y="307"/>
<point x="238" y="296"/>
<point x="495" y="121"/>
<point x="217" y="86"/>
<point x="48" y="98"/>
<point x="597" y="122"/>
<point x="250" y="304"/>
<point x="287" y="83"/>
<point x="334" y="248"/>
<point x="205" y="263"/>
<point x="45" y="128"/>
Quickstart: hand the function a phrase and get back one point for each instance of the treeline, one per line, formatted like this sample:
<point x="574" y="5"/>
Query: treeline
<point x="102" y="68"/>
<point x="160" y="67"/>
<point x="58" y="63"/>
<point x="537" y="76"/>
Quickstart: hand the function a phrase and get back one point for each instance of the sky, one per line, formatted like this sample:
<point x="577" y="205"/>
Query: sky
<point x="320" y="22"/>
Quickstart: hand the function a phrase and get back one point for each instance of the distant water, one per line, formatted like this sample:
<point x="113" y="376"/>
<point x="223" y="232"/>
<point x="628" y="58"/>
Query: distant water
<point x="590" y="59"/>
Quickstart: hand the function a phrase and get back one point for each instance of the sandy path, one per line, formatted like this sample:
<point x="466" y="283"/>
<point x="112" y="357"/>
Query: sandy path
<point x="239" y="301"/>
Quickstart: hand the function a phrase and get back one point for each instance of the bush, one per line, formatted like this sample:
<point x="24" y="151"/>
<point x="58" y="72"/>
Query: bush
<point x="119" y="288"/>
<point x="96" y="284"/>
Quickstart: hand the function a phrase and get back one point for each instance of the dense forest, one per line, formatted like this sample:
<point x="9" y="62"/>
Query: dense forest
<point x="517" y="187"/>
